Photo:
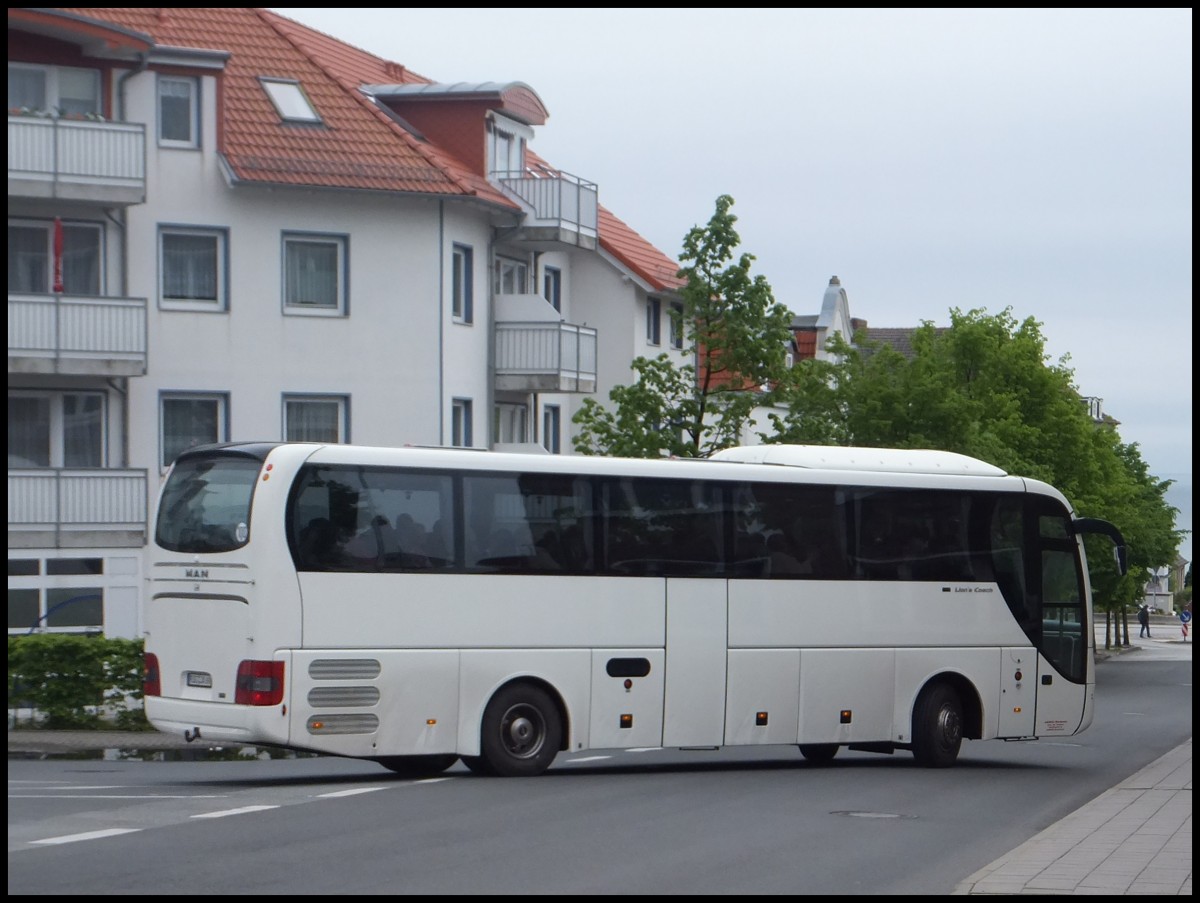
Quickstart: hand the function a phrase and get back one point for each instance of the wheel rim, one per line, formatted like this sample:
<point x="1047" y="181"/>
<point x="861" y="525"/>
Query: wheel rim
<point x="523" y="731"/>
<point x="949" y="727"/>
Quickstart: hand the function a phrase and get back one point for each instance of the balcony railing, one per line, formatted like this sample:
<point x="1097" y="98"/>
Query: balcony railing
<point x="74" y="505"/>
<point x="559" y="206"/>
<point x="545" y="357"/>
<point x="77" y="160"/>
<point x="75" y="334"/>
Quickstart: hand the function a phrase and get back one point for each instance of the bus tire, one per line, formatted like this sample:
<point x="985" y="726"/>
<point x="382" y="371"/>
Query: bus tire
<point x="416" y="766"/>
<point x="937" y="726"/>
<point x="479" y="765"/>
<point x="521" y="731"/>
<point x="819" y="753"/>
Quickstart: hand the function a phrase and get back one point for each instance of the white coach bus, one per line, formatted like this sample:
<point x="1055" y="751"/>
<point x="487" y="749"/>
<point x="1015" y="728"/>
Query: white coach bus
<point x="413" y="606"/>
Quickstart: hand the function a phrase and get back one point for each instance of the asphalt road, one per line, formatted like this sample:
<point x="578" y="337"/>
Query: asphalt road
<point x="656" y="821"/>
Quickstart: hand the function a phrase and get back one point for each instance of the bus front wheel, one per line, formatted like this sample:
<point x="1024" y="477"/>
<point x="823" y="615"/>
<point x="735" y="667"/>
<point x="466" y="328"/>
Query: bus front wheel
<point x="521" y="731"/>
<point x="937" y="727"/>
<point x="417" y="766"/>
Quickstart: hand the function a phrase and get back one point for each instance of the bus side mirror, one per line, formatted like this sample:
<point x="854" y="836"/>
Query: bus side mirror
<point x="1095" y="525"/>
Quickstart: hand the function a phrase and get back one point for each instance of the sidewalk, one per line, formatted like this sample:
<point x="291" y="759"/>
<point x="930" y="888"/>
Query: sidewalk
<point x="1133" y="839"/>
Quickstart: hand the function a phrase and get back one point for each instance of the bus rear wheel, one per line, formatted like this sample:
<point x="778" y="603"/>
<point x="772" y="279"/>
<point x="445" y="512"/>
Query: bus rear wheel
<point x="522" y="731"/>
<point x="417" y="766"/>
<point x="937" y="726"/>
<point x="819" y="753"/>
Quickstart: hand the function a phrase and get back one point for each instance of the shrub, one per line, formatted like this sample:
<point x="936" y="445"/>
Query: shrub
<point x="77" y="682"/>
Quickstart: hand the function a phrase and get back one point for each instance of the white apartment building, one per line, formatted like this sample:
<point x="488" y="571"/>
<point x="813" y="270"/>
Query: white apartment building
<point x="224" y="226"/>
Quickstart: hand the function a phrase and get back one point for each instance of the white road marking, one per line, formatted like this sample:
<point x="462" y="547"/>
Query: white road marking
<point x="90" y="835"/>
<point x="241" y="811"/>
<point x="352" y="792"/>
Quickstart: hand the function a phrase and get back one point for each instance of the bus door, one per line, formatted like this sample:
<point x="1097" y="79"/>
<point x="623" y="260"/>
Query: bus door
<point x="1065" y="663"/>
<point x="697" y="647"/>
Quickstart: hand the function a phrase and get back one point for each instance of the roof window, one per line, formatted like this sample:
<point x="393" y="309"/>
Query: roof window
<point x="290" y="101"/>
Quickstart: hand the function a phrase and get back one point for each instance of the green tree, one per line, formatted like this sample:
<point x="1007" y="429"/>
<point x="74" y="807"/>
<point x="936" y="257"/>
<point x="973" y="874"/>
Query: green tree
<point x="736" y="336"/>
<point x="985" y="387"/>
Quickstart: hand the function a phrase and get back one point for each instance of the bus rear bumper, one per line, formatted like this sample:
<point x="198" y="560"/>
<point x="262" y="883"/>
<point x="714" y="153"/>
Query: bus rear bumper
<point x="223" y="722"/>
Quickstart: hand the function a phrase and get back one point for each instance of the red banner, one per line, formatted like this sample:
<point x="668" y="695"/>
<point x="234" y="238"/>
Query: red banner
<point x="58" y="256"/>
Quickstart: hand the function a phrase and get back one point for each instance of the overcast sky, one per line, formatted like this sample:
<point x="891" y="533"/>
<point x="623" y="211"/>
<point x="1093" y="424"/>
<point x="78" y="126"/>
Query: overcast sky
<point x="1038" y="159"/>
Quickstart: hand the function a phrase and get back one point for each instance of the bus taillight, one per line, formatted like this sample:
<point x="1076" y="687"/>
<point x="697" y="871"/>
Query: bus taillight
<point x="151" y="679"/>
<point x="259" y="683"/>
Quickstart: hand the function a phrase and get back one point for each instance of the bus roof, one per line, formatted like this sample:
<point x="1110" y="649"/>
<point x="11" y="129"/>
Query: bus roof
<point x="876" y="460"/>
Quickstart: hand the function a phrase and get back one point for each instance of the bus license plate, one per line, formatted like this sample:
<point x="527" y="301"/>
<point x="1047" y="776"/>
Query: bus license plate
<point x="199" y="679"/>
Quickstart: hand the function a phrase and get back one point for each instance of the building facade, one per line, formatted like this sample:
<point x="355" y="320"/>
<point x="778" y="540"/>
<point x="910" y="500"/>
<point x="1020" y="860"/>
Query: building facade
<point x="226" y="226"/>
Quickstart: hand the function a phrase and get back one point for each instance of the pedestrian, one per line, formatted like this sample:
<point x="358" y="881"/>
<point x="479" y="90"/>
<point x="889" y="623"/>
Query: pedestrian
<point x="1144" y="620"/>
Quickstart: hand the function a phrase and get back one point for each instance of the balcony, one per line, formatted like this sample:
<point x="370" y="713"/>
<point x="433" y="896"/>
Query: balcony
<point x="545" y="357"/>
<point x="76" y="508"/>
<point x="77" y="160"/>
<point x="77" y="335"/>
<point x="559" y="207"/>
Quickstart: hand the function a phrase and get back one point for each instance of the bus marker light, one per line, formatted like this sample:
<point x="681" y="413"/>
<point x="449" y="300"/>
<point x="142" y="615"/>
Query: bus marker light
<point x="628" y="684"/>
<point x="316" y="725"/>
<point x="847" y="715"/>
<point x="626" y="721"/>
<point x="760" y="719"/>
<point x="1017" y="676"/>
<point x="1017" y="709"/>
<point x="431" y="721"/>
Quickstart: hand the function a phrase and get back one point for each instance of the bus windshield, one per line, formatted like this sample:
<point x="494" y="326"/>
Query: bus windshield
<point x="205" y="504"/>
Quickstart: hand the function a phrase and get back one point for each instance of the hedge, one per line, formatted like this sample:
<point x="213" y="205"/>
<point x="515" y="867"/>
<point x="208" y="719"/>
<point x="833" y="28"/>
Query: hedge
<point x="77" y="682"/>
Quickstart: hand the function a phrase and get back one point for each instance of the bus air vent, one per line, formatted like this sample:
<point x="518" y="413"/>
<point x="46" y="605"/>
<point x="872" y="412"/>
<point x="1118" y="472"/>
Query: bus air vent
<point x="325" y="697"/>
<point x="344" y="669"/>
<point x="343" y="724"/>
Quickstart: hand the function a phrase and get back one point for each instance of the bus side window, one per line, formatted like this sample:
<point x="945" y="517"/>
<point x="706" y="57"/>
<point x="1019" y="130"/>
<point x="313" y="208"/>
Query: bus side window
<point x="318" y="547"/>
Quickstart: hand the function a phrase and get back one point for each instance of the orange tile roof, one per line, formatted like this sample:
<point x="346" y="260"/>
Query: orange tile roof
<point x="806" y="344"/>
<point x="360" y="146"/>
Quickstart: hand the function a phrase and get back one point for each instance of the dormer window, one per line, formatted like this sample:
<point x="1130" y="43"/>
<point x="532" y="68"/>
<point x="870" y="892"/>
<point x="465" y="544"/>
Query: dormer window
<point x="506" y="145"/>
<point x="290" y="101"/>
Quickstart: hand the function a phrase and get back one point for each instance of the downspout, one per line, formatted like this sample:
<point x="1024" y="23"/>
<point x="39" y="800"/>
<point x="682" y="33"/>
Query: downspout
<point x="441" y="393"/>
<point x="121" y="388"/>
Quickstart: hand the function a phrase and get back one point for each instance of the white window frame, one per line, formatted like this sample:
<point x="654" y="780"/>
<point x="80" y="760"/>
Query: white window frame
<point x="47" y="587"/>
<point x="54" y="78"/>
<point x="675" y="326"/>
<point x="653" y="321"/>
<point x="462" y="430"/>
<point x="56" y="427"/>
<point x="221" y="402"/>
<point x="69" y="228"/>
<point x="341" y="405"/>
<point x="338" y="307"/>
<point x="462" y="287"/>
<point x="506" y="146"/>
<point x="192" y="87"/>
<point x="552" y="286"/>
<point x="552" y="428"/>
<point x="290" y="100"/>
<point x="512" y="276"/>
<point x="511" y="422"/>
<point x="220" y="239"/>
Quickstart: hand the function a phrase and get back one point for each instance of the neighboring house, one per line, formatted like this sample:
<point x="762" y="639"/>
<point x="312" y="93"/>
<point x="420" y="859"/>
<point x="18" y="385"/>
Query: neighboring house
<point x="811" y="333"/>
<point x="224" y="225"/>
<point x="1163" y="583"/>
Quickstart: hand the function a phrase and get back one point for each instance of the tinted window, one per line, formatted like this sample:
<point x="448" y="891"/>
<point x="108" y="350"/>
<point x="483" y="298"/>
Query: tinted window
<point x="206" y="504"/>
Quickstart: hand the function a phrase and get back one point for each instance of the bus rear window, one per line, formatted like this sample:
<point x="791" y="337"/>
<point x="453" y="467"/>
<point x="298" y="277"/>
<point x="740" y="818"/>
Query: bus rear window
<point x="206" y="504"/>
